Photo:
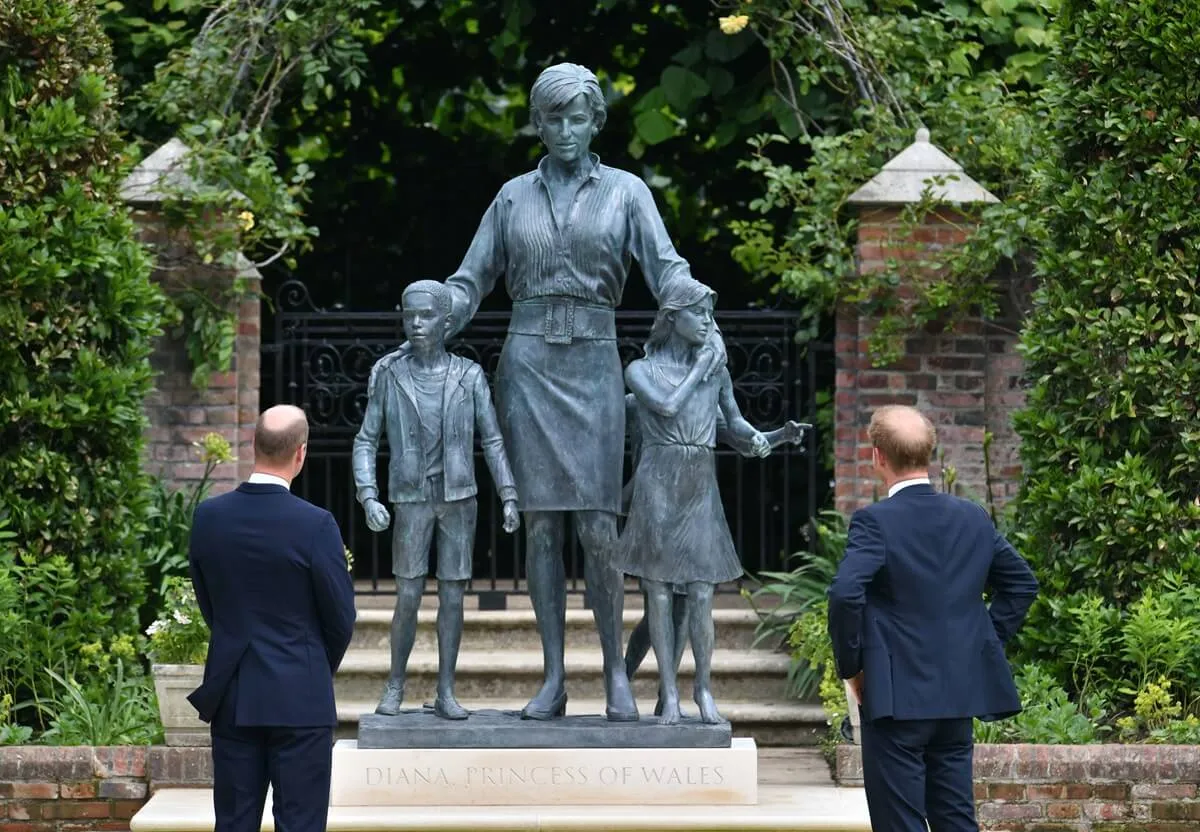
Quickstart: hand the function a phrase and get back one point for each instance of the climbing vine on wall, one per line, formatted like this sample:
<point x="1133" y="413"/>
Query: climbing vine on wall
<point x="858" y="77"/>
<point x="220" y="93"/>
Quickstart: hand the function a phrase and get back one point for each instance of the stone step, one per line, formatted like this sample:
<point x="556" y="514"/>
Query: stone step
<point x="745" y="675"/>
<point x="770" y="724"/>
<point x="516" y="629"/>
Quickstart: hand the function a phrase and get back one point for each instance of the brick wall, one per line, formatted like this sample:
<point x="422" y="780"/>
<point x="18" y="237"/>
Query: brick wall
<point x="967" y="381"/>
<point x="49" y="789"/>
<point x="1081" y="788"/>
<point x="179" y="413"/>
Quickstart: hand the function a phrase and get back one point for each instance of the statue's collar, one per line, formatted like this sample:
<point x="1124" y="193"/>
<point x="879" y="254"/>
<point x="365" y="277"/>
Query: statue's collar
<point x="594" y="173"/>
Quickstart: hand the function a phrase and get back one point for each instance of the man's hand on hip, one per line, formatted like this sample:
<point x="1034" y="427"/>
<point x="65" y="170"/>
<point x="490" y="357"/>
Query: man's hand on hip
<point x="856" y="686"/>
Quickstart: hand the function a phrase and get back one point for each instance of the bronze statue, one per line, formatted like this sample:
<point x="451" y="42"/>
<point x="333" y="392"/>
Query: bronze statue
<point x="676" y="535"/>
<point x="742" y="441"/>
<point x="429" y="404"/>
<point x="563" y="237"/>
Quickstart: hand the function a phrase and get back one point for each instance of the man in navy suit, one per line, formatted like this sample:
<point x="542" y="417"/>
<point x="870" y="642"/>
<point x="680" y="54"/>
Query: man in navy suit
<point x="923" y="651"/>
<point x="271" y="580"/>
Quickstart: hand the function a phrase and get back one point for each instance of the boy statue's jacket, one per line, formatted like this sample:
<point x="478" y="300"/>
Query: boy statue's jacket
<point x="392" y="410"/>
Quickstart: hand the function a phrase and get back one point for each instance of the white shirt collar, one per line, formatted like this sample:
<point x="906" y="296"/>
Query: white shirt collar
<point x="903" y="484"/>
<point x="259" y="478"/>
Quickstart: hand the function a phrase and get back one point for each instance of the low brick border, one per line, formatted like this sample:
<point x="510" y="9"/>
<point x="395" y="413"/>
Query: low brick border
<point x="1075" y="788"/>
<point x="49" y="789"/>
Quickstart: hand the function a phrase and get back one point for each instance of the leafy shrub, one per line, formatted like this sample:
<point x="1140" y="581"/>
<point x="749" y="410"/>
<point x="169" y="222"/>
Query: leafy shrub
<point x="1111" y="434"/>
<point x="169" y="524"/>
<point x="179" y="635"/>
<point x="40" y="624"/>
<point x="784" y="599"/>
<point x="79" y="314"/>
<point x="10" y="732"/>
<point x="1048" y="716"/>
<point x="117" y="710"/>
<point x="812" y="650"/>
<point x="1112" y="656"/>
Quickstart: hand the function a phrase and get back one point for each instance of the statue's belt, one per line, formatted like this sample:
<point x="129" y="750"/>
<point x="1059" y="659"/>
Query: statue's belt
<point x="561" y="320"/>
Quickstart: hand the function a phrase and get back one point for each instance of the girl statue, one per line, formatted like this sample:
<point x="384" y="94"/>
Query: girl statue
<point x="676" y="535"/>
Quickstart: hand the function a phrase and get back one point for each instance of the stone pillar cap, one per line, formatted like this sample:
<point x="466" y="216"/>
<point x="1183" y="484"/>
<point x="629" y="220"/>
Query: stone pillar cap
<point x="161" y="176"/>
<point x="903" y="180"/>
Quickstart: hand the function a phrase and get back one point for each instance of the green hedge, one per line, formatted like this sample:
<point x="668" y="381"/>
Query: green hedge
<point x="1111" y="436"/>
<point x="77" y="316"/>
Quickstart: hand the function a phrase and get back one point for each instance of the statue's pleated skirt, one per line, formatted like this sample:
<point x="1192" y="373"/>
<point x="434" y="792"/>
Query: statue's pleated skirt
<point x="562" y="412"/>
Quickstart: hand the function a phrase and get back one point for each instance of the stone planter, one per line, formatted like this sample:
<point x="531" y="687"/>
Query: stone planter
<point x="181" y="723"/>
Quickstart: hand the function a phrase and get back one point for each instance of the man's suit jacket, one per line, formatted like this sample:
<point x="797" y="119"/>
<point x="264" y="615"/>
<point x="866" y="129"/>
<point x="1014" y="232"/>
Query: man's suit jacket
<point x="392" y="409"/>
<point x="271" y="580"/>
<point x="906" y="608"/>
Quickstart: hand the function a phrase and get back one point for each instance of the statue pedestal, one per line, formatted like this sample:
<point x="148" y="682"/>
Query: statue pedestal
<point x="563" y="776"/>
<point x="505" y="729"/>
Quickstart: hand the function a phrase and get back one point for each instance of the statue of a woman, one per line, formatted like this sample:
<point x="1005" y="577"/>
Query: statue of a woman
<point x="563" y="236"/>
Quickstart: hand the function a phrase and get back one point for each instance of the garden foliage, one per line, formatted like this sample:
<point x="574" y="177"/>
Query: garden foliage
<point x="1109" y="513"/>
<point x="78" y="314"/>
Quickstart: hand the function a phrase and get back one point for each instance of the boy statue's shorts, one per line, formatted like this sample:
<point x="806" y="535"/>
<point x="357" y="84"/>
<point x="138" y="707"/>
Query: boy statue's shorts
<point x="412" y="537"/>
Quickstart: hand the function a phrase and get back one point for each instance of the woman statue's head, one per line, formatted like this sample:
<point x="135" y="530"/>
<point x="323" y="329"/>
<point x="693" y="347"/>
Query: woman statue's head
<point x="685" y="311"/>
<point x="567" y="108"/>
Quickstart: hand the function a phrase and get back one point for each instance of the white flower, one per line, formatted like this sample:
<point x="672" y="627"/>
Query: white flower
<point x="181" y="617"/>
<point x="154" y="628"/>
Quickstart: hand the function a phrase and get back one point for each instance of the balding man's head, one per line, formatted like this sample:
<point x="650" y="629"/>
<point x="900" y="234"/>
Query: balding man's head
<point x="904" y="437"/>
<point x="280" y="432"/>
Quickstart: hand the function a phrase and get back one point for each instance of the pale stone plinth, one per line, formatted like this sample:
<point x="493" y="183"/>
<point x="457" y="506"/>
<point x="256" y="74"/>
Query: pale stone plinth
<point x="805" y="808"/>
<point x="544" y="776"/>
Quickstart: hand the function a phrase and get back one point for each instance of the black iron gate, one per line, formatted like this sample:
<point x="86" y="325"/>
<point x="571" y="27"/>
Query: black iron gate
<point x="320" y="359"/>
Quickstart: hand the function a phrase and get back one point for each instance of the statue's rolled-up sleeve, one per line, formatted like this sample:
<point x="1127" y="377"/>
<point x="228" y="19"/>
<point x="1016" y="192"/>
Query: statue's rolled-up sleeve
<point x="481" y="267"/>
<point x="649" y="242"/>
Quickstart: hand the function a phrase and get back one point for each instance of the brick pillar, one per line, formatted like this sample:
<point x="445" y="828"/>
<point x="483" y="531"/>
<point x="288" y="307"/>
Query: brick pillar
<point x="966" y="380"/>
<point x="179" y="413"/>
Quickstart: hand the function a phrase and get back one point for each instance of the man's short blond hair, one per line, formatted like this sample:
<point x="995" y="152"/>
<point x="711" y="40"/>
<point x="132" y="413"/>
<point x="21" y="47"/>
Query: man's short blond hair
<point x="904" y="436"/>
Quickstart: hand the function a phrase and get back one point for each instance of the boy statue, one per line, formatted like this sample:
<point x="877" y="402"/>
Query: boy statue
<point x="429" y="404"/>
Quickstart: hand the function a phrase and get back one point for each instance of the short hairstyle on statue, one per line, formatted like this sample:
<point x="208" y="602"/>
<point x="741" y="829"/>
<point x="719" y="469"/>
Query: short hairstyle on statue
<point x="557" y="87"/>
<point x="904" y="436"/>
<point x="277" y="444"/>
<point x="441" y="294"/>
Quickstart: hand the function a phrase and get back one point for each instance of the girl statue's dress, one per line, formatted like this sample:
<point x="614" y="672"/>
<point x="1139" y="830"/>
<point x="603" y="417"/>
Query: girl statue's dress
<point x="676" y="531"/>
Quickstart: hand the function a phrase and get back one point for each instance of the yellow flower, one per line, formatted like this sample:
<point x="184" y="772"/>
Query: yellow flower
<point x="247" y="220"/>
<point x="214" y="447"/>
<point x="734" y="23"/>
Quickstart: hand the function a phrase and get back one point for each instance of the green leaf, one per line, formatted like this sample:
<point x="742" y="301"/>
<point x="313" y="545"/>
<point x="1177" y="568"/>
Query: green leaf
<point x="1027" y="35"/>
<point x="654" y="99"/>
<point x="653" y="127"/>
<point x="682" y="87"/>
<point x="724" y="48"/>
<point x="689" y="55"/>
<point x="720" y="81"/>
<point x="1026" y="60"/>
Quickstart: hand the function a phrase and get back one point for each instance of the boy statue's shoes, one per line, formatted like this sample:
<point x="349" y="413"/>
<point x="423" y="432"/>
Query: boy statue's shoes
<point x="393" y="696"/>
